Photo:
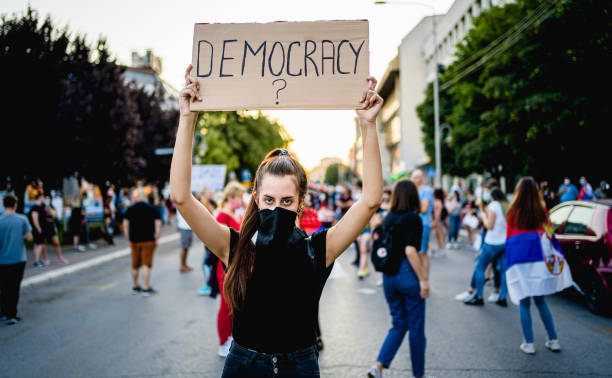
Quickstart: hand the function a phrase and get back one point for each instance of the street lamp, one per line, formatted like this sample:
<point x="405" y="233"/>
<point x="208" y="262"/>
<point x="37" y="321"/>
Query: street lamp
<point x="438" y="158"/>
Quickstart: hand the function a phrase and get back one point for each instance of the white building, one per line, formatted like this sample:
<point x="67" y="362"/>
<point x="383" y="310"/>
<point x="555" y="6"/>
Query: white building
<point x="403" y="84"/>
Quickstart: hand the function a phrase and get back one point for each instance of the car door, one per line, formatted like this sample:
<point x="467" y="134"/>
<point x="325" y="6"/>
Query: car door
<point x="558" y="217"/>
<point x="581" y="240"/>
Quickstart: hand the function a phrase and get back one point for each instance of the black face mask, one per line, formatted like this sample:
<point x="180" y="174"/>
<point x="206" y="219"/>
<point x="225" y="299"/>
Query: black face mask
<point x="275" y="226"/>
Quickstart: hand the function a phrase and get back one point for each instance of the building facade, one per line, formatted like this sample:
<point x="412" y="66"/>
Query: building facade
<point x="407" y="76"/>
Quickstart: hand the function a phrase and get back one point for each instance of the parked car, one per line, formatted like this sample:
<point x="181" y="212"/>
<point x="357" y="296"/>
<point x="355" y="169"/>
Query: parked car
<point x="584" y="230"/>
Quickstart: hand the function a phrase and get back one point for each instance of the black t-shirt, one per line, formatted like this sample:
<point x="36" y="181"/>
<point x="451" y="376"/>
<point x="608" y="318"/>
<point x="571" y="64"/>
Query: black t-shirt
<point x="42" y="218"/>
<point x="407" y="231"/>
<point x="142" y="218"/>
<point x="282" y="299"/>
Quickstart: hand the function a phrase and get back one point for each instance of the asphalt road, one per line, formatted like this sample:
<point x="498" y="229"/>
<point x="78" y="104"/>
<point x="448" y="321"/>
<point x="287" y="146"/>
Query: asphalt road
<point x="89" y="325"/>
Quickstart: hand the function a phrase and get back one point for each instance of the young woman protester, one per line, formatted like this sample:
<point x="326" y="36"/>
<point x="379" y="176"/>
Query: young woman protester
<point x="527" y="220"/>
<point x="275" y="273"/>
<point x="407" y="286"/>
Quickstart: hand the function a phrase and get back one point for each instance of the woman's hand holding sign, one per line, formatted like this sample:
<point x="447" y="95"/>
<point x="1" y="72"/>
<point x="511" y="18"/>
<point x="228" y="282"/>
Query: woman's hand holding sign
<point x="372" y="103"/>
<point x="189" y="94"/>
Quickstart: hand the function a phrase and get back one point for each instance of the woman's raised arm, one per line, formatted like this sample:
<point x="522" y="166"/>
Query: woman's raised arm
<point x="214" y="235"/>
<point x="354" y="221"/>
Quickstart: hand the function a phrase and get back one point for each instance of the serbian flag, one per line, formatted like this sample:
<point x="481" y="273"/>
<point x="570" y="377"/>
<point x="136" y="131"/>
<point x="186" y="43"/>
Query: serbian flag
<point x="535" y="264"/>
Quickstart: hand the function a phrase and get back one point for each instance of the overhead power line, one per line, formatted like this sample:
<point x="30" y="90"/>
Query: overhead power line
<point x="494" y="49"/>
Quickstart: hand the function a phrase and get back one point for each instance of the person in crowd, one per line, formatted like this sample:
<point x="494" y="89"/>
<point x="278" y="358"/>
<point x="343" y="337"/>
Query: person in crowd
<point x="494" y="220"/>
<point x="453" y="207"/>
<point x="229" y="216"/>
<point x="567" y="191"/>
<point x="209" y="260"/>
<point x="427" y="199"/>
<point x="526" y="214"/>
<point x="586" y="191"/>
<point x="458" y="187"/>
<point x="275" y="272"/>
<point x="42" y="217"/>
<point x="343" y="203"/>
<point x="123" y="202"/>
<point x="14" y="229"/>
<point x="407" y="286"/>
<point x="186" y="241"/>
<point x="602" y="190"/>
<point x="142" y="224"/>
<point x="439" y="220"/>
<point x="325" y="212"/>
<point x="77" y="222"/>
<point x="548" y="195"/>
<point x="308" y="219"/>
<point x="469" y="220"/>
<point x="109" y="220"/>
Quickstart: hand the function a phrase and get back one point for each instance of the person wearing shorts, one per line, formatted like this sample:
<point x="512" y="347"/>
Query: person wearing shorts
<point x="186" y="241"/>
<point x="142" y="224"/>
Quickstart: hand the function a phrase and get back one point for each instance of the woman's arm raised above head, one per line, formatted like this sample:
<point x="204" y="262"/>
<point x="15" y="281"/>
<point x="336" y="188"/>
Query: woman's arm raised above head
<point x="354" y="221"/>
<point x="215" y="236"/>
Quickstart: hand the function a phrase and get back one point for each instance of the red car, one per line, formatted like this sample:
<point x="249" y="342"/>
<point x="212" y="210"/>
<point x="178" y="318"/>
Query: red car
<point x="584" y="230"/>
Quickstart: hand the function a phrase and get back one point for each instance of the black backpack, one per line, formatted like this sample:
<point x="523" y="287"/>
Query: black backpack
<point x="383" y="258"/>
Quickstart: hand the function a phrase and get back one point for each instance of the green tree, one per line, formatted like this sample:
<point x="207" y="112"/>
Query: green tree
<point x="332" y="174"/>
<point x="237" y="139"/>
<point x="533" y="109"/>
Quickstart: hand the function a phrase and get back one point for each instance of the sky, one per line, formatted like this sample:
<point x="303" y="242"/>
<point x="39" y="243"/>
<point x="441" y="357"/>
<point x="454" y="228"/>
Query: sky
<point x="167" y="28"/>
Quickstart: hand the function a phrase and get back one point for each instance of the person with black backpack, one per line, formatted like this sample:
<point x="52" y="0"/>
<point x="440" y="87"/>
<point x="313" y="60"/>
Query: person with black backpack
<point x="395" y="247"/>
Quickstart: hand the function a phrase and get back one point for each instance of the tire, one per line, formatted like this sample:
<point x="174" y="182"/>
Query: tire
<point x="595" y="296"/>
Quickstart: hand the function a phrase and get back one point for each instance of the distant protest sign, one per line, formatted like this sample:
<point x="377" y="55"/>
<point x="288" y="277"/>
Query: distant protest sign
<point x="281" y="65"/>
<point x="207" y="176"/>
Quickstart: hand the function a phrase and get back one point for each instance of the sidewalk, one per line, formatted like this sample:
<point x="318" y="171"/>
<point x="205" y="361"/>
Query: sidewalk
<point x="83" y="260"/>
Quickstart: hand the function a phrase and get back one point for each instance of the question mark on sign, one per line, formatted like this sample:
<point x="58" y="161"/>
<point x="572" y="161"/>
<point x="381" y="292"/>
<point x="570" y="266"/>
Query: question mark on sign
<point x="279" y="89"/>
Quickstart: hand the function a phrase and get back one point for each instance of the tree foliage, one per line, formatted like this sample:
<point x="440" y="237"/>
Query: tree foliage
<point x="67" y="108"/>
<point x="239" y="140"/>
<point x="536" y="108"/>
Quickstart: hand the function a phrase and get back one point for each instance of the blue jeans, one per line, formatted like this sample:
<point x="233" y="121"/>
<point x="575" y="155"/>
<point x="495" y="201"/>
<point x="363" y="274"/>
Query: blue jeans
<point x="407" y="308"/>
<point x="544" y="315"/>
<point x="455" y="224"/>
<point x="425" y="238"/>
<point x="242" y="362"/>
<point x="488" y="254"/>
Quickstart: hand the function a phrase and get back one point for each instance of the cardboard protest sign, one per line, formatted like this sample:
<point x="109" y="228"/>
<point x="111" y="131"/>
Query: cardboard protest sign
<point x="281" y="65"/>
<point x="207" y="176"/>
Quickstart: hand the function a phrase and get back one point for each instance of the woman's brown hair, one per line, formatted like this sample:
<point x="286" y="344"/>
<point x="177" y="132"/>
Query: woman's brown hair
<point x="405" y="197"/>
<point x="526" y="211"/>
<point x="278" y="162"/>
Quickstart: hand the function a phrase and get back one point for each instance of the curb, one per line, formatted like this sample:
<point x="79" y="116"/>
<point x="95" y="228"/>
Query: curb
<point x="44" y="277"/>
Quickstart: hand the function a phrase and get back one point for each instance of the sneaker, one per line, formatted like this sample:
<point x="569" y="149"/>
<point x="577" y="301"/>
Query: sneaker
<point x="12" y="321"/>
<point x="223" y="350"/>
<point x="374" y="372"/>
<point x="64" y="260"/>
<point x="475" y="302"/>
<point x="38" y="264"/>
<point x="502" y="303"/>
<point x="449" y="246"/>
<point x="203" y="291"/>
<point x="440" y="253"/>
<point x="92" y="246"/>
<point x="363" y="273"/>
<point x="553" y="345"/>
<point x="81" y="248"/>
<point x="493" y="298"/>
<point x="466" y="295"/>
<point x="148" y="292"/>
<point x="47" y="262"/>
<point x="136" y="290"/>
<point x="528" y="348"/>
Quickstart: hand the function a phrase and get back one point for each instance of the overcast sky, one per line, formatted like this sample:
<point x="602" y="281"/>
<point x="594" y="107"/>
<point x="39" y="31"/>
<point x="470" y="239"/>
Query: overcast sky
<point x="167" y="28"/>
